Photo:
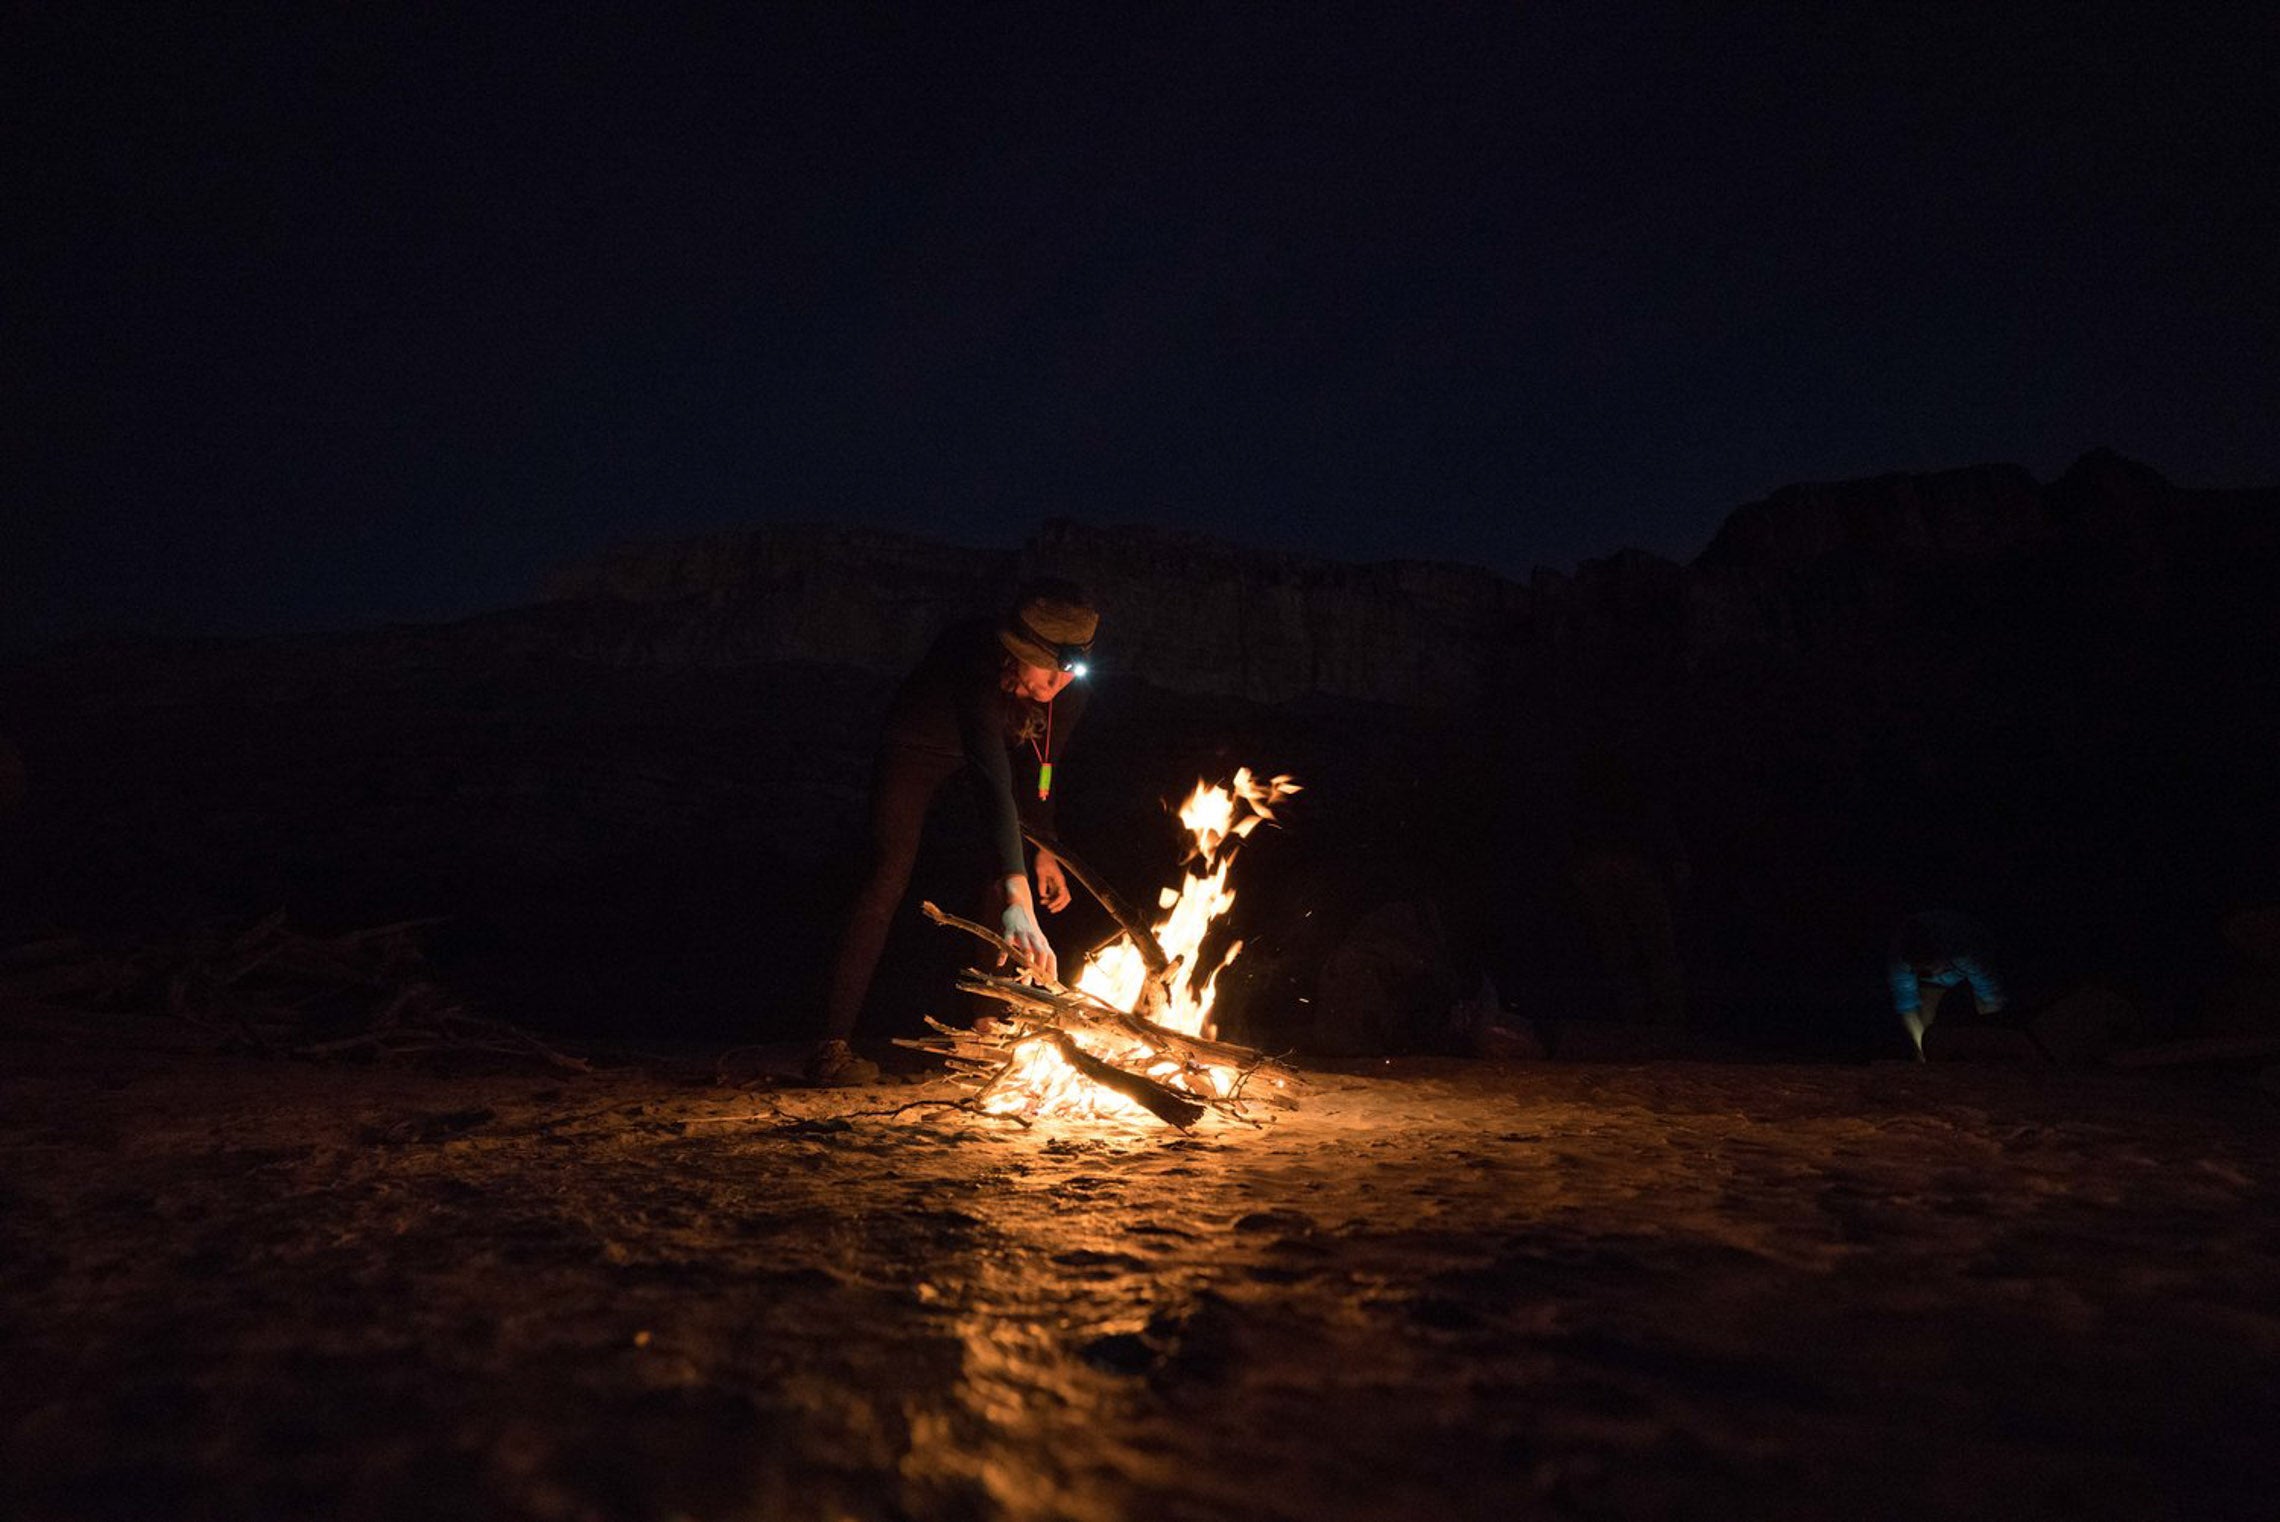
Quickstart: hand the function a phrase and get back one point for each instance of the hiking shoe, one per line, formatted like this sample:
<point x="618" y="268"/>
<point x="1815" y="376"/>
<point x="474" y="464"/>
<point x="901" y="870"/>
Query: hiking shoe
<point x="834" y="1065"/>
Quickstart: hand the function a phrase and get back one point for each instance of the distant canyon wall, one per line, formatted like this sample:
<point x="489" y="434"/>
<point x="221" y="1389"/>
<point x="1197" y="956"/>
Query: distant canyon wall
<point x="1181" y="612"/>
<point x="1810" y="567"/>
<point x="2057" y="703"/>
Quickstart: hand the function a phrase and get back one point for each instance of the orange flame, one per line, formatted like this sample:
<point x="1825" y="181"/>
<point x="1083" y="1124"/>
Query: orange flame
<point x="1041" y="1083"/>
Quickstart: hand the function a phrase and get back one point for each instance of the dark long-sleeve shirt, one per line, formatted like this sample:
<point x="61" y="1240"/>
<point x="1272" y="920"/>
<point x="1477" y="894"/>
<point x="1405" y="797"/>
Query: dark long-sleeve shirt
<point x="952" y="705"/>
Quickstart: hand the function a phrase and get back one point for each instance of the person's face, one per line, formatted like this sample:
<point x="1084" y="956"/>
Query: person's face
<point x="1037" y="683"/>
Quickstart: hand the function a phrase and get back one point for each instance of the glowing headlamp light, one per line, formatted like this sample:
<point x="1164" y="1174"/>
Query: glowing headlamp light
<point x="1076" y="660"/>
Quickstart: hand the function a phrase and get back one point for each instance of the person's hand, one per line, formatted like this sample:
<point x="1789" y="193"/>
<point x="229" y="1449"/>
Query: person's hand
<point x="1052" y="883"/>
<point x="1021" y="931"/>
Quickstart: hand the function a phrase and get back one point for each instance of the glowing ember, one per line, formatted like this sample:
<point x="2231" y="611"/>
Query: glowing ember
<point x="1041" y="1082"/>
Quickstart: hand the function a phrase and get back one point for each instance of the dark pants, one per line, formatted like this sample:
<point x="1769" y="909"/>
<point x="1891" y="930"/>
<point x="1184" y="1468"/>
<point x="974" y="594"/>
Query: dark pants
<point x="903" y="784"/>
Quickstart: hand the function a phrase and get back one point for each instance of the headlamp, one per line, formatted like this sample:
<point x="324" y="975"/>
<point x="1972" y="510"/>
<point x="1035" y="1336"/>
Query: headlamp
<point x="1076" y="660"/>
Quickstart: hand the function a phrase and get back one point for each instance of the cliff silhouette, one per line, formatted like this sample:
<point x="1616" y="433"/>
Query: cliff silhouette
<point x="638" y="797"/>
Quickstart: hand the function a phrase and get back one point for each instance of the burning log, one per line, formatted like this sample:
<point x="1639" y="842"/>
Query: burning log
<point x="1159" y="1100"/>
<point x="1046" y="995"/>
<point x="1127" y="919"/>
<point x="1128" y="1033"/>
<point x="1079" y="1011"/>
<point x="1153" y="997"/>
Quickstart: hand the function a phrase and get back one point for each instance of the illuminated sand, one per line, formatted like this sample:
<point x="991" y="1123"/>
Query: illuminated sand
<point x="239" y="1289"/>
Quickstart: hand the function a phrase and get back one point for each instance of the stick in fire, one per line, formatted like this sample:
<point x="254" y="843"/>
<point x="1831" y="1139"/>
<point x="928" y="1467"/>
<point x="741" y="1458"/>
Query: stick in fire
<point x="1132" y="1032"/>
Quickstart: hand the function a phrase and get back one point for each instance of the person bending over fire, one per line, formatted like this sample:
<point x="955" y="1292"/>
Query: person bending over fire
<point x="989" y="697"/>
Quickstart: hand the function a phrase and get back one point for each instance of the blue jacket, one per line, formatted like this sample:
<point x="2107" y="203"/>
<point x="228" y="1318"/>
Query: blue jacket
<point x="1960" y="949"/>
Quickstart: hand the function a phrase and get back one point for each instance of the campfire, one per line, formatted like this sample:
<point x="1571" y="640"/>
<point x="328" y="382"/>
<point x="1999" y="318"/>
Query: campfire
<point x="1131" y="1036"/>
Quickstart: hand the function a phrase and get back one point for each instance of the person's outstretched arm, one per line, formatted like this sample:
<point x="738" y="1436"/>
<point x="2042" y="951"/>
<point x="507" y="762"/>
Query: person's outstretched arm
<point x="993" y="778"/>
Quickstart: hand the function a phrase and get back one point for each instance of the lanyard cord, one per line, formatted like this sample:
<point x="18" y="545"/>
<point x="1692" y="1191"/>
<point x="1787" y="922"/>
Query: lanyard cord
<point x="1044" y="756"/>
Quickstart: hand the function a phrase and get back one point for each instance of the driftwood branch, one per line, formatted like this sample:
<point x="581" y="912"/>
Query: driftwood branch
<point x="269" y="987"/>
<point x="1085" y="1012"/>
<point x="1047" y="1011"/>
<point x="1188" y="1075"/>
<point x="1128" y="920"/>
<point x="1160" y="1100"/>
<point x="1021" y="959"/>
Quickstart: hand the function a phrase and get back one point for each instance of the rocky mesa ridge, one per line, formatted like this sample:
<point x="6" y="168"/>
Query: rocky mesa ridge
<point x="1190" y="614"/>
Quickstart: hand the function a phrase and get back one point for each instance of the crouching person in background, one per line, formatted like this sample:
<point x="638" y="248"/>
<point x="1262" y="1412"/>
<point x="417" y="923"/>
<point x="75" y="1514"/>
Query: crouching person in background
<point x="1933" y="953"/>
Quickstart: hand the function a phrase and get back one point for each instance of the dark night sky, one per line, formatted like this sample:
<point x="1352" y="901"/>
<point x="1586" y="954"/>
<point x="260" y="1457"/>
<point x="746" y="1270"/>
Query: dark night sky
<point x="377" y="313"/>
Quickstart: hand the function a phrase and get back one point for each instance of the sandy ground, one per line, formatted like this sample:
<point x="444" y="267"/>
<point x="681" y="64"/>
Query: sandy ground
<point x="237" y="1288"/>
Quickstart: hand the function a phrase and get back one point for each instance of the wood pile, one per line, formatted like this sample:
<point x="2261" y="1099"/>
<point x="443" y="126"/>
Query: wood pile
<point x="271" y="988"/>
<point x="1177" y="1078"/>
